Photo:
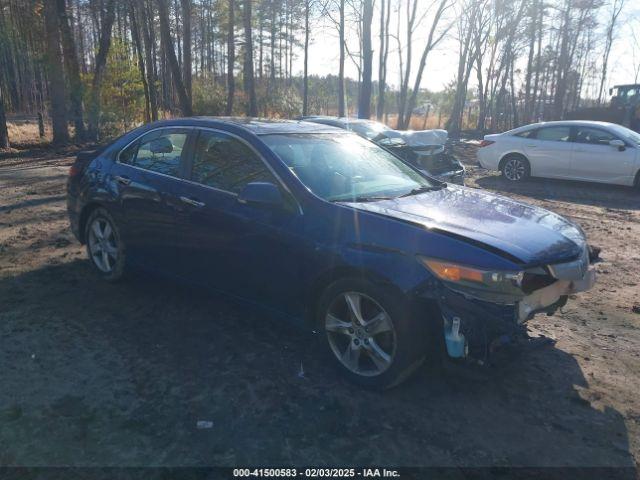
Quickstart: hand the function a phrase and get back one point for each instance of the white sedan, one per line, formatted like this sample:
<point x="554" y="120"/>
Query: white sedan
<point x="575" y="150"/>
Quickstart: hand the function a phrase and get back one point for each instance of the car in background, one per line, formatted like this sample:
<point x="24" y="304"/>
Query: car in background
<point x="574" y="150"/>
<point x="322" y="227"/>
<point x="426" y="150"/>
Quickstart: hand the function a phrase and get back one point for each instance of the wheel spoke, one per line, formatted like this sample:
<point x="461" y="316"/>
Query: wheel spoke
<point x="334" y="324"/>
<point x="111" y="250"/>
<point x="352" y="334"/>
<point x="378" y="324"/>
<point x="107" y="231"/>
<point x="105" y="260"/>
<point x="97" y="256"/>
<point x="94" y="244"/>
<point x="379" y="357"/>
<point x="351" y="357"/>
<point x="97" y="231"/>
<point x="354" y="304"/>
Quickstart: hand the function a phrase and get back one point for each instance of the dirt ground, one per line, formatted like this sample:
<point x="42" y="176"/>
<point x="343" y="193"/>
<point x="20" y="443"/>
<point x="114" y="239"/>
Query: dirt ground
<point x="94" y="374"/>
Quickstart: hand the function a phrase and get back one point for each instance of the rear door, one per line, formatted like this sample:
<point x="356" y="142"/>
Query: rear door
<point x="550" y="152"/>
<point x="595" y="160"/>
<point x="148" y="177"/>
<point x="248" y="251"/>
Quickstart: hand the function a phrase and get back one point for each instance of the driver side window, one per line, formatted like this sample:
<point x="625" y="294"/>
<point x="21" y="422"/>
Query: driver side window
<point x="223" y="162"/>
<point x="594" y="136"/>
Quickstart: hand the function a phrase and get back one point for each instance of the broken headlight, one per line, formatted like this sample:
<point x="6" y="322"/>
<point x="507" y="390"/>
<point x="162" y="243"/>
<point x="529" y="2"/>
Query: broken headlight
<point x="484" y="284"/>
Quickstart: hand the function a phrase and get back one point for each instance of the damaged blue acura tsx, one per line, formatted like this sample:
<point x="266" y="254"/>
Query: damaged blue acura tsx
<point x="316" y="224"/>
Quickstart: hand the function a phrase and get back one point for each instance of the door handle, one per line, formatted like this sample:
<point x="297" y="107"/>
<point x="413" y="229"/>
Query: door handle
<point x="531" y="146"/>
<point x="123" y="179"/>
<point x="192" y="202"/>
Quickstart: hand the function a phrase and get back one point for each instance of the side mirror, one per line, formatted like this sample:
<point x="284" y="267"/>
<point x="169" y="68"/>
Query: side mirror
<point x="619" y="144"/>
<point x="261" y="194"/>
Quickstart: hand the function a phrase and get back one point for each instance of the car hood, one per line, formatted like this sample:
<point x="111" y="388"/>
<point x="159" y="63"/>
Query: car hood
<point x="419" y="138"/>
<point x="533" y="235"/>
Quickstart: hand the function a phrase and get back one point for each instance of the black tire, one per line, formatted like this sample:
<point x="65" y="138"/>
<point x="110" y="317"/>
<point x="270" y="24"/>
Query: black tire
<point x="636" y="183"/>
<point x="515" y="168"/>
<point x="116" y="262"/>
<point x="409" y="334"/>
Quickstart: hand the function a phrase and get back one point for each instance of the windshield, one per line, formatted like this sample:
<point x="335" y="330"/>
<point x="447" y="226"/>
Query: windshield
<point x="627" y="134"/>
<point x="369" y="129"/>
<point x="345" y="167"/>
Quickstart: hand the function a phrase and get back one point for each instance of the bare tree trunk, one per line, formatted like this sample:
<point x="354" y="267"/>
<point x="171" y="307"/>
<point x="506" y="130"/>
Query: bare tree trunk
<point x="73" y="70"/>
<point x="561" y="81"/>
<point x="135" y="33"/>
<point x="404" y="76"/>
<point x="231" y="57"/>
<point x="272" y="44"/>
<point x="186" y="47"/>
<point x="341" y="99"/>
<point x="616" y="8"/>
<point x="249" y="80"/>
<point x="57" y="92"/>
<point x="364" y="102"/>
<point x="183" y="98"/>
<point x="431" y="43"/>
<point x="100" y="65"/>
<point x="4" y="132"/>
<point x="384" y="53"/>
<point x="305" y="81"/>
<point x="536" y="82"/>
<point x="149" y="41"/>
<point x="529" y="74"/>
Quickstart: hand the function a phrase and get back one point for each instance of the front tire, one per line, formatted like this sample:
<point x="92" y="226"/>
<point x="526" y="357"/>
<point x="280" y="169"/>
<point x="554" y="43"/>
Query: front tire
<point x="515" y="168"/>
<point x="370" y="333"/>
<point x="105" y="248"/>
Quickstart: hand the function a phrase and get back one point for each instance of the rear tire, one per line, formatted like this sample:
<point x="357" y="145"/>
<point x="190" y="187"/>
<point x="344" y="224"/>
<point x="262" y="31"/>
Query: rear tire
<point x="105" y="248"/>
<point x="370" y="333"/>
<point x="515" y="168"/>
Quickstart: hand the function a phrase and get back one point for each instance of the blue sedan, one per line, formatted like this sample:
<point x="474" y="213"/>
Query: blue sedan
<point x="321" y="226"/>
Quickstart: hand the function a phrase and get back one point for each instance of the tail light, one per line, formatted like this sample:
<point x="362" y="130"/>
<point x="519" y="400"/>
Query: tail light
<point x="75" y="170"/>
<point x="486" y="143"/>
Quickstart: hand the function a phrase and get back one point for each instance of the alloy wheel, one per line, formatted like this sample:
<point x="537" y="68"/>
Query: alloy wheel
<point x="361" y="334"/>
<point x="103" y="245"/>
<point x="514" y="169"/>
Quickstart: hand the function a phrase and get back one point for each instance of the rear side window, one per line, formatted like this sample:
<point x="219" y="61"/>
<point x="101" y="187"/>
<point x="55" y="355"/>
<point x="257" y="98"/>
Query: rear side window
<point x="159" y="151"/>
<point x="594" y="136"/>
<point x="554" y="134"/>
<point x="223" y="162"/>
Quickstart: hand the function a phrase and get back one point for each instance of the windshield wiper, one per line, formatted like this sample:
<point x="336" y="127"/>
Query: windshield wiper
<point x="363" y="198"/>
<point x="423" y="189"/>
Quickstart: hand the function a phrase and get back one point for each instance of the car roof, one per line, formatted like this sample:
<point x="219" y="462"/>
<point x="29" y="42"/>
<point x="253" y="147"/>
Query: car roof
<point x="566" y="123"/>
<point x="342" y="121"/>
<point x="258" y="126"/>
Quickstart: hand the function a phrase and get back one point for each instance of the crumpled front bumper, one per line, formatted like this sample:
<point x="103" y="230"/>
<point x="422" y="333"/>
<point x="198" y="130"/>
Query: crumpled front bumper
<point x="478" y="322"/>
<point x="548" y="296"/>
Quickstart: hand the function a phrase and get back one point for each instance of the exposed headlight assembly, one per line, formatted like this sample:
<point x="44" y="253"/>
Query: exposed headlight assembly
<point x="490" y="285"/>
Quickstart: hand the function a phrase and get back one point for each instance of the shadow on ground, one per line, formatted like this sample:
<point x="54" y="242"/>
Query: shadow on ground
<point x="593" y="194"/>
<point x="95" y="374"/>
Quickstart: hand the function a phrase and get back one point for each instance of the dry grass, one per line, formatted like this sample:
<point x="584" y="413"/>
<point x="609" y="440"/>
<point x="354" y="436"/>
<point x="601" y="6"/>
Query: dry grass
<point x="25" y="132"/>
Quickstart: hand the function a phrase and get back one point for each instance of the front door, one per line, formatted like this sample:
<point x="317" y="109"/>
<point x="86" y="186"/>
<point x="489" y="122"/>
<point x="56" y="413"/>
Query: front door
<point x="595" y="160"/>
<point x="247" y="251"/>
